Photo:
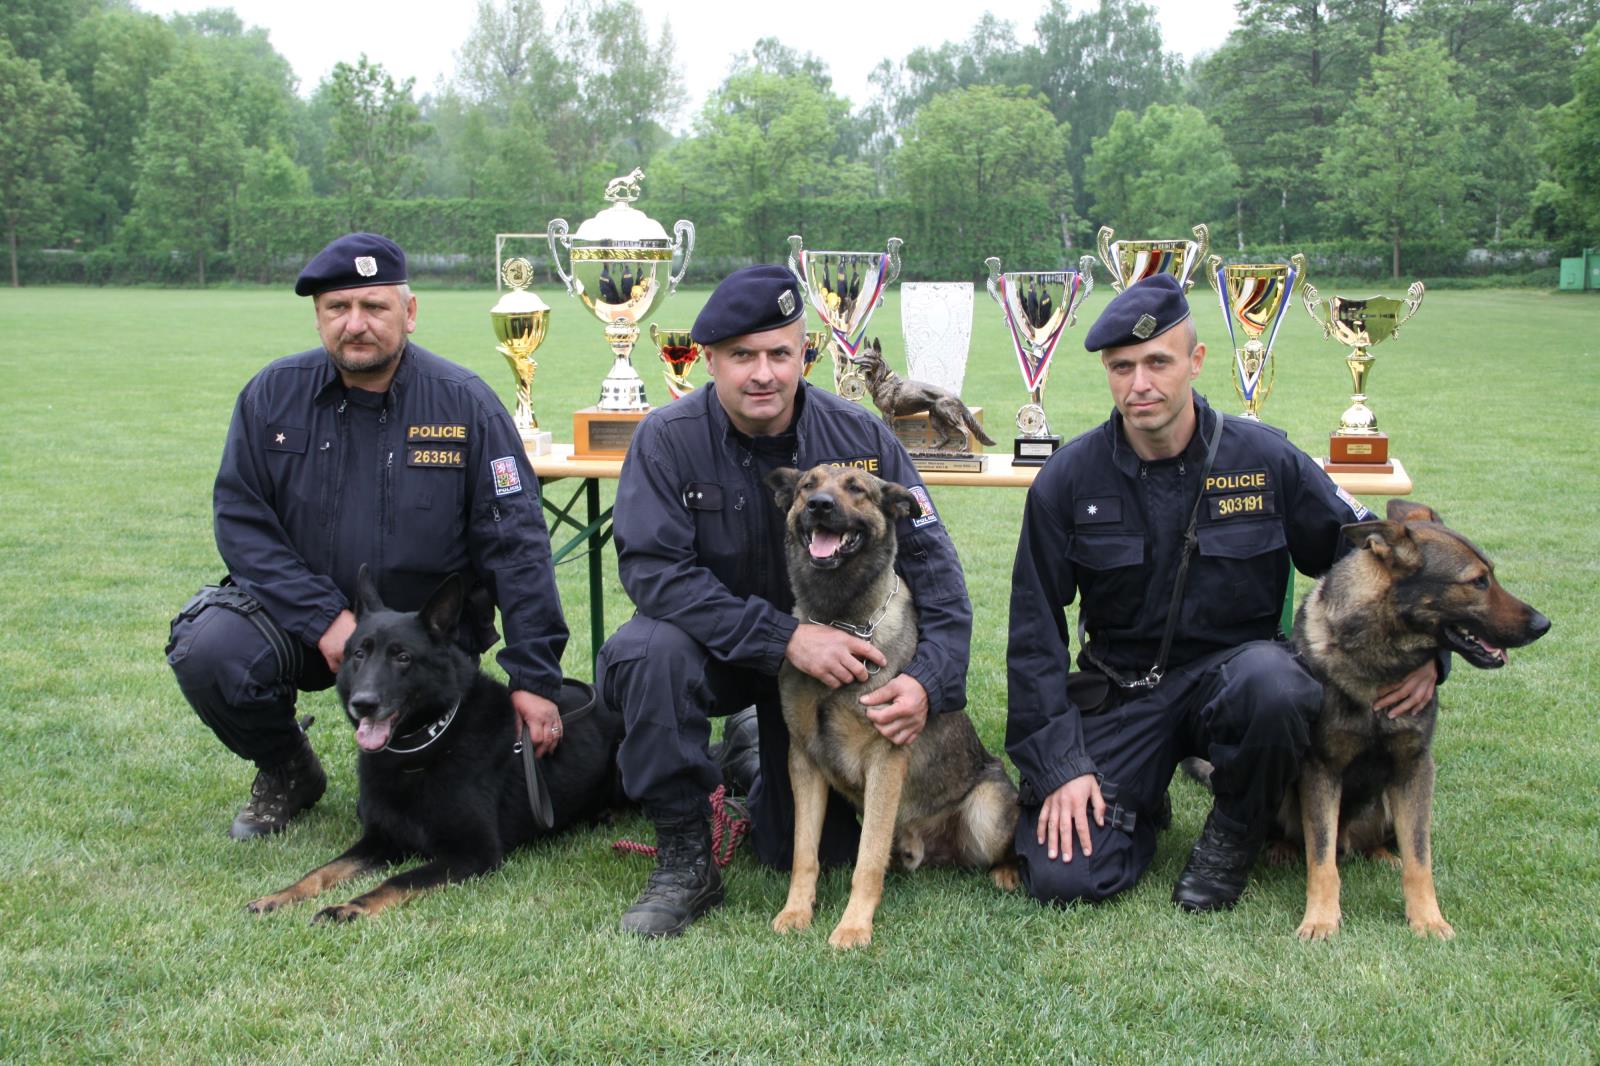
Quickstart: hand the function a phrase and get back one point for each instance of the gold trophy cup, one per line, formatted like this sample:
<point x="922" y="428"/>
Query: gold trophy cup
<point x="679" y="352"/>
<point x="1131" y="261"/>
<point x="816" y="341"/>
<point x="1255" y="297"/>
<point x="1358" y="446"/>
<point x="520" y="321"/>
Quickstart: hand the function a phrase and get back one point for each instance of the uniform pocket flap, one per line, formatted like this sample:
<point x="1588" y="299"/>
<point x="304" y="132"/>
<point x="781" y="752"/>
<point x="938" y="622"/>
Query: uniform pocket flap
<point x="702" y="496"/>
<point x="1106" y="551"/>
<point x="1241" y="540"/>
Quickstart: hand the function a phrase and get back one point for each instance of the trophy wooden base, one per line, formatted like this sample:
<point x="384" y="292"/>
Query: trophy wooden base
<point x="598" y="434"/>
<point x="1033" y="451"/>
<point x="1333" y="469"/>
<point x="1360" y="449"/>
<point x="916" y="432"/>
<point x="949" y="462"/>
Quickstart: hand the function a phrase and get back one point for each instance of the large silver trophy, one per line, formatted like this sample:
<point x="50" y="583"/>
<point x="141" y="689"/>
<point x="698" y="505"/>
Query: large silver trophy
<point x="845" y="288"/>
<point x="1039" y="306"/>
<point x="621" y="268"/>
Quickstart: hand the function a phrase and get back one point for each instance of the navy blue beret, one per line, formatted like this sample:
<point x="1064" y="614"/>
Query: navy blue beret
<point x="1143" y="310"/>
<point x="353" y="261"/>
<point x="752" y="299"/>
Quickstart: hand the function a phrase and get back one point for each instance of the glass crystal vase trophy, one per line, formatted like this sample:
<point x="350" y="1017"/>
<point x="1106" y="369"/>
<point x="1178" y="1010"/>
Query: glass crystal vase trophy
<point x="1038" y="307"/>
<point x="621" y="269"/>
<point x="936" y="322"/>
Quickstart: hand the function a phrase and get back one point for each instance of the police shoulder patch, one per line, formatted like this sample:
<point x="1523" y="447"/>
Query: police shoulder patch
<point x="1356" y="507"/>
<point x="507" y="478"/>
<point x="926" y="515"/>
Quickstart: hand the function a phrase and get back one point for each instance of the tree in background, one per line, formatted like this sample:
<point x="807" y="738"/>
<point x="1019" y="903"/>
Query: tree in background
<point x="1572" y="132"/>
<point x="374" y="130"/>
<point x="39" y="148"/>
<point x="1161" y="173"/>
<point x="1395" y="164"/>
<point x="190" y="158"/>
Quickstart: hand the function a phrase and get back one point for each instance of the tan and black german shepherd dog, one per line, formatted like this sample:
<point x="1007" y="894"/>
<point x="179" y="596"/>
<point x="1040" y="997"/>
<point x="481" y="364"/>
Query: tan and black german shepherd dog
<point x="1411" y="589"/>
<point x="940" y="800"/>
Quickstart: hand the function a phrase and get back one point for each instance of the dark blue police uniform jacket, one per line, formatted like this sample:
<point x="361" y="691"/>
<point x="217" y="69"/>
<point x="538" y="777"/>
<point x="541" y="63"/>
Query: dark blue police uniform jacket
<point x="420" y="482"/>
<point x="695" y="529"/>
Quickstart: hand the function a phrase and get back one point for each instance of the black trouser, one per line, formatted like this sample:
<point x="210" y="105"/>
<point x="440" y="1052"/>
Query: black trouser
<point x="668" y="687"/>
<point x="1247" y="710"/>
<point x="241" y="673"/>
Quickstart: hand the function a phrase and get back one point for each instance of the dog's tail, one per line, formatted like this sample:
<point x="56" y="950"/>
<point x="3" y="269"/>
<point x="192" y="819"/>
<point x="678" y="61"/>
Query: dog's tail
<point x="973" y="427"/>
<point x="1198" y="769"/>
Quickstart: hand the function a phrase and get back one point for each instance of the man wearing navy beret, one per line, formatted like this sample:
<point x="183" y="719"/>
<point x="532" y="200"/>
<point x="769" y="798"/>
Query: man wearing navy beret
<point x="1179" y="646"/>
<point x="368" y="450"/>
<point x="700" y="553"/>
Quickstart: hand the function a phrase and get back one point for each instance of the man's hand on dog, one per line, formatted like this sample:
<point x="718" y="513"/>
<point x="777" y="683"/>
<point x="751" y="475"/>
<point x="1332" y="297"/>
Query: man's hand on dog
<point x="1065" y="812"/>
<point x="899" y="709"/>
<point x="331" y="643"/>
<point x="542" y="718"/>
<point x="1410" y="694"/>
<point x="831" y="655"/>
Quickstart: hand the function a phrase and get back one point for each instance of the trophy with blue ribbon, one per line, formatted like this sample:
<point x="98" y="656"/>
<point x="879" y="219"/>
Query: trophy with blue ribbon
<point x="1254" y="298"/>
<point x="1038" y="306"/>
<point x="845" y="288"/>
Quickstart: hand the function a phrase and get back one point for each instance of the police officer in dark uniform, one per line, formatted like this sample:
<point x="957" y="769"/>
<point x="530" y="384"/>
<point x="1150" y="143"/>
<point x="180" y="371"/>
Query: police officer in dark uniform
<point x="368" y="450"/>
<point x="700" y="552"/>
<point x="1202" y="673"/>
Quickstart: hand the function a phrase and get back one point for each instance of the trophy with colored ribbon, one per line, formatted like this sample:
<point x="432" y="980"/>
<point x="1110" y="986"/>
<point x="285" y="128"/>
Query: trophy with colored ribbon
<point x="816" y="341"/>
<point x="520" y="321"/>
<point x="1358" y="446"/>
<point x="845" y="288"/>
<point x="679" y="352"/>
<point x="1255" y="297"/>
<point x="1038" y="306"/>
<point x="1131" y="261"/>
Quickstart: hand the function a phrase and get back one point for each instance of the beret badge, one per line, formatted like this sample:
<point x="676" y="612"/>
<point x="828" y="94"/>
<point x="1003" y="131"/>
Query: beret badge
<point x="786" y="302"/>
<point x="1144" y="327"/>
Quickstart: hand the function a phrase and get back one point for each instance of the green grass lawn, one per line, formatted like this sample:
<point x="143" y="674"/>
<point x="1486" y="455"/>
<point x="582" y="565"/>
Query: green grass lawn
<point x="122" y="930"/>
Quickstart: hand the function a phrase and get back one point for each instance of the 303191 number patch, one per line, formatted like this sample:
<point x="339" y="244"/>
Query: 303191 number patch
<point x="1239" y="505"/>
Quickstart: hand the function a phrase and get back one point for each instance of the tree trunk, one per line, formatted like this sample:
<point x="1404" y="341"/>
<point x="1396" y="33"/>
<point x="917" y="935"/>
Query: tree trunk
<point x="200" y="261"/>
<point x="1283" y="214"/>
<point x="1066" y="232"/>
<point x="1396" y="255"/>
<point x="11" y="239"/>
<point x="1238" y="222"/>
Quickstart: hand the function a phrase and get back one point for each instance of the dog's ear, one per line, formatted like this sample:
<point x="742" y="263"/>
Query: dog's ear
<point x="1410" y="511"/>
<point x="782" y="482"/>
<point x="898" y="502"/>
<point x="442" y="613"/>
<point x="367" y="599"/>
<point x="1388" y="541"/>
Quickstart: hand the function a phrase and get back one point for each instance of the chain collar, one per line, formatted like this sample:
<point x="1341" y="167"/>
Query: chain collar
<point x="865" y="631"/>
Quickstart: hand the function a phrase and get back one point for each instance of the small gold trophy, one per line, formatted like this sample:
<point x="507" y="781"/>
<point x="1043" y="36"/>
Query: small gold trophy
<point x="679" y="352"/>
<point x="520" y="321"/>
<point x="1255" y="297"/>
<point x="816" y="340"/>
<point x="1131" y="261"/>
<point x="1358" y="446"/>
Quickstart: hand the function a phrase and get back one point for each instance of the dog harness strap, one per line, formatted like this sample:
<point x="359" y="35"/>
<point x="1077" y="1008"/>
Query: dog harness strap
<point x="538" y="791"/>
<point x="1191" y="537"/>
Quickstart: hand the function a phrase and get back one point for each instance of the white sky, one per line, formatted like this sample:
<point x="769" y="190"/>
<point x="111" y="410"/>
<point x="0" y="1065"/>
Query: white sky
<point x="420" y="40"/>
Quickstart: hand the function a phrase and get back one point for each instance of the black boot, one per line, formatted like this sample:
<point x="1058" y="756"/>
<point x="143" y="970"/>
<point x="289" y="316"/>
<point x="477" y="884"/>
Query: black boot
<point x="685" y="883"/>
<point x="281" y="792"/>
<point x="739" y="754"/>
<point x="1218" y="866"/>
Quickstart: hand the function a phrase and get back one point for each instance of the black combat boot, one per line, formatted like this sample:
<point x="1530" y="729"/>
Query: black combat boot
<point x="685" y="883"/>
<point x="739" y="754"/>
<point x="1218" y="866"/>
<point x="281" y="792"/>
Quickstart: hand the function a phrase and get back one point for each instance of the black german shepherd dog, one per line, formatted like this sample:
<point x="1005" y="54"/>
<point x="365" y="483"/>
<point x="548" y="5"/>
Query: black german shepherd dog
<point x="439" y="772"/>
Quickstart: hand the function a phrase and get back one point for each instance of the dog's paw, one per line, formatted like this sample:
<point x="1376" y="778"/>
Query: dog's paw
<point x="1283" y="853"/>
<point x="1386" y="857"/>
<point x="1005" y="876"/>
<point x="344" y="912"/>
<point x="267" y="904"/>
<point x="848" y="935"/>
<point x="791" y="919"/>
<point x="1432" y="925"/>
<point x="1318" y="926"/>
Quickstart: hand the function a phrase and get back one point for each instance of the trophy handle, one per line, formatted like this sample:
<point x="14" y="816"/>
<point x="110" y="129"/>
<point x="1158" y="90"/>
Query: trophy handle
<point x="894" y="261"/>
<point x="557" y="231"/>
<point x="1413" y="301"/>
<point x="1213" y="274"/>
<point x="1202" y="237"/>
<point x="655" y="332"/>
<point x="1102" y="241"/>
<point x="1313" y="300"/>
<point x="683" y="229"/>
<point x="796" y="251"/>
<point x="1298" y="262"/>
<point x="993" y="263"/>
<point x="1086" y="275"/>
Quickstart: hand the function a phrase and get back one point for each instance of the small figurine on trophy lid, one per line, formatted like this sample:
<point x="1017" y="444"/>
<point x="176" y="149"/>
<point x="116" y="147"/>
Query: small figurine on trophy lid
<point x="679" y="352"/>
<point x="616" y="258"/>
<point x="1131" y="261"/>
<point x="845" y="288"/>
<point x="1038" y="306"/>
<point x="1254" y="298"/>
<point x="520" y="321"/>
<point x="1358" y="446"/>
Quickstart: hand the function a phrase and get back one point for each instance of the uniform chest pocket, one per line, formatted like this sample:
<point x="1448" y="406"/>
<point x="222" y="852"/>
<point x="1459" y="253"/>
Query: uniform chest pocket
<point x="1241" y="572"/>
<point x="1109" y="571"/>
<point x="721" y="518"/>
<point x="427" y="508"/>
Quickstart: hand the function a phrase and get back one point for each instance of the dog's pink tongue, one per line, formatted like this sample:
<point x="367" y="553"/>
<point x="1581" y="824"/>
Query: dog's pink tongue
<point x="372" y="734"/>
<point x="824" y="544"/>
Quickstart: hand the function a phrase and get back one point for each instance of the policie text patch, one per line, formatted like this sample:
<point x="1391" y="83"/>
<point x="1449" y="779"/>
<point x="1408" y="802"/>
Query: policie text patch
<point x="436" y="432"/>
